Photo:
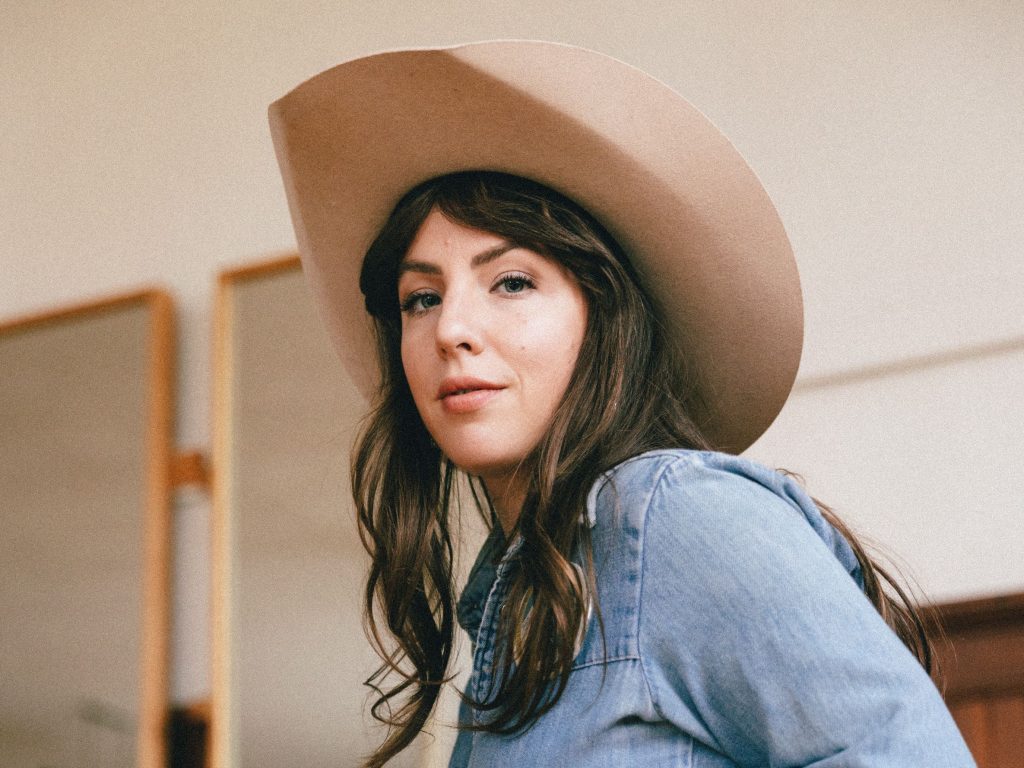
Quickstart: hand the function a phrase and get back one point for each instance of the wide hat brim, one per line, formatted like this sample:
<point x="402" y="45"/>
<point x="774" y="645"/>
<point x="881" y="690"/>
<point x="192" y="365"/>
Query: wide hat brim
<point x="694" y="220"/>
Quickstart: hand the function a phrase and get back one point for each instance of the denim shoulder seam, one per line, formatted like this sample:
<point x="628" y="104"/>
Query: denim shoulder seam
<point x="608" y="660"/>
<point x="640" y="602"/>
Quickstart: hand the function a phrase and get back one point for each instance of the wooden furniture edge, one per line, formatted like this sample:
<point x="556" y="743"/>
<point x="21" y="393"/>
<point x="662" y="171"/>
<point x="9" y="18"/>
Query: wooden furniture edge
<point x="219" y="744"/>
<point x="156" y="624"/>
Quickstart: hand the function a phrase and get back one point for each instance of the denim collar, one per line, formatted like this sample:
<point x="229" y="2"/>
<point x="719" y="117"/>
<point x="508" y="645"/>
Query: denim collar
<point x="494" y="551"/>
<point x="470" y="608"/>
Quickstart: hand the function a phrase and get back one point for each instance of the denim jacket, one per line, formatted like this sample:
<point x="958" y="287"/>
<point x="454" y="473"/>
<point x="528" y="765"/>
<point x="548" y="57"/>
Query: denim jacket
<point x="736" y="634"/>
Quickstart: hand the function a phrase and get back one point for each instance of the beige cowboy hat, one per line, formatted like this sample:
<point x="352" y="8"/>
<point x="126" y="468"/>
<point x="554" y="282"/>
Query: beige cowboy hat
<point x="693" y="218"/>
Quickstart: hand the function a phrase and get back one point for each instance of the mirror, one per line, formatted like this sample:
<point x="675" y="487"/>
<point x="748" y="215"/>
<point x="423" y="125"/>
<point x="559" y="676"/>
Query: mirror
<point x="85" y="404"/>
<point x="290" y="656"/>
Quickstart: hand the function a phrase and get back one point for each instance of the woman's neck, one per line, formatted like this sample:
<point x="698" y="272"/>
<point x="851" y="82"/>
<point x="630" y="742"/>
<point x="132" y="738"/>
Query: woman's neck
<point x="507" y="494"/>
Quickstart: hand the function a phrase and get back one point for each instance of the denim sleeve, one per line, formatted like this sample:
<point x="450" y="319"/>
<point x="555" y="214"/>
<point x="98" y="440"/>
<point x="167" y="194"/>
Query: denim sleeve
<point x="754" y="638"/>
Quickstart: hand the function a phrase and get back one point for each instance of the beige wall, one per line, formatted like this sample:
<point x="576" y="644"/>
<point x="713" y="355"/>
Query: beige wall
<point x="135" y="150"/>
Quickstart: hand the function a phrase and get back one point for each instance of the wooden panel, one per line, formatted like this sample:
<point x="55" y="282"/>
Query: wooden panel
<point x="982" y="651"/>
<point x="1006" y="731"/>
<point x="987" y="661"/>
<point x="970" y="718"/>
<point x="1001" y="610"/>
<point x="993" y="727"/>
<point x="982" y="669"/>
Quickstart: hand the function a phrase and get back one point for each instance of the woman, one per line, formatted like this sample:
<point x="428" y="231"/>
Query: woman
<point x="642" y="599"/>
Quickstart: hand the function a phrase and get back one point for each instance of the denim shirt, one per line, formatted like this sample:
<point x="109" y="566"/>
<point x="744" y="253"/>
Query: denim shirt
<point x="736" y="634"/>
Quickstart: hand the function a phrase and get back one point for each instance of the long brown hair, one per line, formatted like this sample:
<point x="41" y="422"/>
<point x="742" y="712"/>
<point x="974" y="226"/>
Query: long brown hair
<point x="626" y="396"/>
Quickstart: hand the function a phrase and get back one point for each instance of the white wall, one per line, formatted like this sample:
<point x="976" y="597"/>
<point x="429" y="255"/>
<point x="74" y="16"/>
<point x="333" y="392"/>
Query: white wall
<point x="135" y="150"/>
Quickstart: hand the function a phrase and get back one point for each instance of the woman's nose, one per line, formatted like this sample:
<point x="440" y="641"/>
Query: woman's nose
<point x="459" y="325"/>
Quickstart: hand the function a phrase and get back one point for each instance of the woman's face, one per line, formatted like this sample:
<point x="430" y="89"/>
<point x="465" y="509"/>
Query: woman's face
<point x="490" y="336"/>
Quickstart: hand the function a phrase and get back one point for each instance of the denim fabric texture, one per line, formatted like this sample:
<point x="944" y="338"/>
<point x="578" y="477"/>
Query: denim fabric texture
<point x="736" y="634"/>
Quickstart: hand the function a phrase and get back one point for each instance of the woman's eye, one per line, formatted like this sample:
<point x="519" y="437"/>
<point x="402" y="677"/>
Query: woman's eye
<point x="514" y="283"/>
<point x="419" y="302"/>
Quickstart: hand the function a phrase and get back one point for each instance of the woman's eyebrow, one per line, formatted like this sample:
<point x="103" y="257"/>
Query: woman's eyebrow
<point x="484" y="257"/>
<point x="423" y="267"/>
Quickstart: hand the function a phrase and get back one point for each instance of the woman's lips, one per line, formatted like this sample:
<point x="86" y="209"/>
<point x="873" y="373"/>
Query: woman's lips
<point x="464" y="394"/>
<point x="467" y="401"/>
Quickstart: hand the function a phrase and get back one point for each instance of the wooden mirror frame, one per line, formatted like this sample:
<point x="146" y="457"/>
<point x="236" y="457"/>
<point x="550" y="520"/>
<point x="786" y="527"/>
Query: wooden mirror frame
<point x="237" y="523"/>
<point x="284" y="414"/>
<point x="218" y="748"/>
<point x="154" y="639"/>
